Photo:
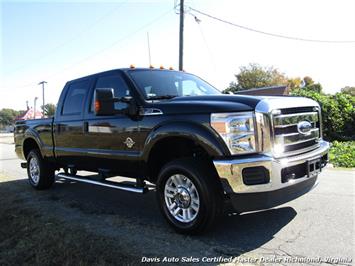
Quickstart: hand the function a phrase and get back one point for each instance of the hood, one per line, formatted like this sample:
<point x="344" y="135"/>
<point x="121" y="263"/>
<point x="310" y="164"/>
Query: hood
<point x="208" y="104"/>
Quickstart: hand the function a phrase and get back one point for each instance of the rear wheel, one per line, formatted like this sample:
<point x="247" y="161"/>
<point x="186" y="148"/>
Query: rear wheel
<point x="189" y="195"/>
<point x="40" y="173"/>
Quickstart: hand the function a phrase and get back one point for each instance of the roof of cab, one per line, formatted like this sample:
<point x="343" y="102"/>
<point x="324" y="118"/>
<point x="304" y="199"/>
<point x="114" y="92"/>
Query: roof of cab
<point x="122" y="70"/>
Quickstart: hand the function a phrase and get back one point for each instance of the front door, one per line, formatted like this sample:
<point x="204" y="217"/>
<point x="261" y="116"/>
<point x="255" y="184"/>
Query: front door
<point x="111" y="141"/>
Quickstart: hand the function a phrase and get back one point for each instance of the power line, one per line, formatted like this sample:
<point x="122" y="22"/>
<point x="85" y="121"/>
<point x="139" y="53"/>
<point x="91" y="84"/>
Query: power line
<point x="101" y="50"/>
<point x="206" y="44"/>
<point x="114" y="43"/>
<point x="269" y="33"/>
<point x="79" y="34"/>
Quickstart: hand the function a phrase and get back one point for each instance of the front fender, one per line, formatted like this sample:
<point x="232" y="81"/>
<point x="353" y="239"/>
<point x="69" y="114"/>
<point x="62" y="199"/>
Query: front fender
<point x="201" y="135"/>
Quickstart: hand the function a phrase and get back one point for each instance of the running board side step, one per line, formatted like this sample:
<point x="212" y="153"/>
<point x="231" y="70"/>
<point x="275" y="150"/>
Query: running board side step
<point x="125" y="187"/>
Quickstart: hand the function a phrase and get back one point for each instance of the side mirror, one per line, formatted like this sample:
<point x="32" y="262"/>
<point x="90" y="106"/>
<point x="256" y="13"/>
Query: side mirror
<point x="104" y="101"/>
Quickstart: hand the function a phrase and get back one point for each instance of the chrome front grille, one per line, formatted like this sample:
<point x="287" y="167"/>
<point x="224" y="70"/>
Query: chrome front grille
<point x="287" y="136"/>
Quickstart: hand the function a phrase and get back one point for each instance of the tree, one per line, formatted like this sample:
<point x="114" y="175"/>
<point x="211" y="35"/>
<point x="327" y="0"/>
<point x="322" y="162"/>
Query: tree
<point x="256" y="76"/>
<point x="317" y="87"/>
<point x="294" y="83"/>
<point x="310" y="85"/>
<point x="7" y="116"/>
<point x="307" y="81"/>
<point x="348" y="90"/>
<point x="49" y="109"/>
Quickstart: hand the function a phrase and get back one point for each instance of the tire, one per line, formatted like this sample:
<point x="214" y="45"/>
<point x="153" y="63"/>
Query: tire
<point x="191" y="185"/>
<point x="40" y="173"/>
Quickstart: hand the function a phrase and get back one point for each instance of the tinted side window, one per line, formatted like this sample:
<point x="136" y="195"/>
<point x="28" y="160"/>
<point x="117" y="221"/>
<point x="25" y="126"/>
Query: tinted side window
<point x="118" y="85"/>
<point x="74" y="100"/>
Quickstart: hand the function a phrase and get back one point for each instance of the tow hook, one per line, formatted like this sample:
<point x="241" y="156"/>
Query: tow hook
<point x="290" y="176"/>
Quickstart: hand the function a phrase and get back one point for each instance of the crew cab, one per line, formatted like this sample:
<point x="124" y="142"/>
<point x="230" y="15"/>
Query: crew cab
<point x="174" y="133"/>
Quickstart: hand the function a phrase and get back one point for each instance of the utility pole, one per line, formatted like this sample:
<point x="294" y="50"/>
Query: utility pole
<point x="42" y="83"/>
<point x="34" y="108"/>
<point x="181" y="35"/>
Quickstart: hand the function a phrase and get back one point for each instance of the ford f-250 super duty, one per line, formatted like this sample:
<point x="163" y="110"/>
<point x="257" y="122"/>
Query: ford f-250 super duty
<point x="197" y="147"/>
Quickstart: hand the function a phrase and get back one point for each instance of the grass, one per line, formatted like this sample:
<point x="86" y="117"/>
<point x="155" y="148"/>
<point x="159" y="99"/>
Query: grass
<point x="28" y="237"/>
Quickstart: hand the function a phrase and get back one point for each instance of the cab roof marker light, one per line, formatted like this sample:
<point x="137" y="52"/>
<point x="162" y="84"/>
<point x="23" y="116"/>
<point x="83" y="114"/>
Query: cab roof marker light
<point x="151" y="66"/>
<point x="161" y="67"/>
<point x="171" y="68"/>
<point x="132" y="66"/>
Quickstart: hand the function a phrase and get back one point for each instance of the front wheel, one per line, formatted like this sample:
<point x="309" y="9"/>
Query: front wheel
<point x="189" y="195"/>
<point x="40" y="173"/>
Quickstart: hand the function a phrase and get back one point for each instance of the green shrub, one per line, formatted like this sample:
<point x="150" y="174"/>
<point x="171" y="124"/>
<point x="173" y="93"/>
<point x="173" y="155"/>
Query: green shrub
<point x="342" y="154"/>
<point x="338" y="113"/>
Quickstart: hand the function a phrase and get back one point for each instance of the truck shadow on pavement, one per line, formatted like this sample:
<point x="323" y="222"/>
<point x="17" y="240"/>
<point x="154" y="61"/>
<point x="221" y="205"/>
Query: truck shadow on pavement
<point x="233" y="235"/>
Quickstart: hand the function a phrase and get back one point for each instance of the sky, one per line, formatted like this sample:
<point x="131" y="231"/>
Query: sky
<point x="57" y="41"/>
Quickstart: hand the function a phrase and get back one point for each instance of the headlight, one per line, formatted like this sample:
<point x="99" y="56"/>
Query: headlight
<point x="237" y="130"/>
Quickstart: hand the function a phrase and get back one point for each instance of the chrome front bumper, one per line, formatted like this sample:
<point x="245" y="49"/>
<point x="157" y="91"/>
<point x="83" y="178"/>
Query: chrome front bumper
<point x="230" y="171"/>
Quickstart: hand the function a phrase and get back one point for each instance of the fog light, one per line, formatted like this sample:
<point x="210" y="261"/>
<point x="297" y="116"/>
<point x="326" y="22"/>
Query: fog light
<point x="255" y="175"/>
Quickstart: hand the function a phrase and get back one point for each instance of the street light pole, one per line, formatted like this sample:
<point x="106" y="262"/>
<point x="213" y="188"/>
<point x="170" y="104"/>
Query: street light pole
<point x="42" y="83"/>
<point x="181" y="35"/>
<point x="34" y="107"/>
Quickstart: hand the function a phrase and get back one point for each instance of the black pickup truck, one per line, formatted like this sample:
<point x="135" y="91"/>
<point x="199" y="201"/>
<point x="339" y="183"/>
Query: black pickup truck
<point x="172" y="132"/>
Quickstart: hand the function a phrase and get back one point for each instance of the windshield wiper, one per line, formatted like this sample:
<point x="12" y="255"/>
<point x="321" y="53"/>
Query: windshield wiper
<point x="161" y="97"/>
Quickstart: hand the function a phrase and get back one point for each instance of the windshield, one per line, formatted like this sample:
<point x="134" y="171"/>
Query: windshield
<point x="161" y="84"/>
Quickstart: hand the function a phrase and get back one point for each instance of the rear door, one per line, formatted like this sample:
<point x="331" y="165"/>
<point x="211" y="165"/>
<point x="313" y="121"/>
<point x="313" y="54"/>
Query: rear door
<point x="111" y="142"/>
<point x="69" y="123"/>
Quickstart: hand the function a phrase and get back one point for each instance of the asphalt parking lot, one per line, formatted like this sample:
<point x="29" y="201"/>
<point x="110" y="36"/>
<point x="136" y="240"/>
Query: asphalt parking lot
<point x="318" y="225"/>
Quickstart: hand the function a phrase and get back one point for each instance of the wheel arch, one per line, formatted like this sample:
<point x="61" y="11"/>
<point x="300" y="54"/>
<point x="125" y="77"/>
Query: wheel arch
<point x="178" y="140"/>
<point x="30" y="142"/>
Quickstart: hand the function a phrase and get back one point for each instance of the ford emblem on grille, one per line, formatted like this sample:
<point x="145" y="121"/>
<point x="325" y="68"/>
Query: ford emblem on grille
<point x="304" y="127"/>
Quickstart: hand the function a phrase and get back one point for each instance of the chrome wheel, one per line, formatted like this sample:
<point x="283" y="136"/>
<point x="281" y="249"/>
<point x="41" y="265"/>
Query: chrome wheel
<point x="34" y="170"/>
<point x="181" y="198"/>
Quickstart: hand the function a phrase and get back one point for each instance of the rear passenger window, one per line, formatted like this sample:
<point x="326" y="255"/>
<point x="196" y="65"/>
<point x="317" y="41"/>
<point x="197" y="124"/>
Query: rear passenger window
<point x="73" y="103"/>
<point x="119" y="87"/>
